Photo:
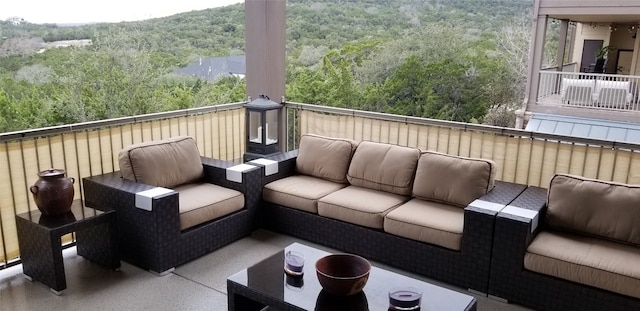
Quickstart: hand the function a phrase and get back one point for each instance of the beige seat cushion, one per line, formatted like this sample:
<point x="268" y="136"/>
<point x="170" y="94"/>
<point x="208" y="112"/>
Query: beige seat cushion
<point x="431" y="222"/>
<point x="325" y="157"/>
<point x="300" y="191"/>
<point x="604" y="264"/>
<point x="201" y="202"/>
<point x="163" y="163"/>
<point x="452" y="179"/>
<point x="383" y="167"/>
<point x="360" y="206"/>
<point x="594" y="207"/>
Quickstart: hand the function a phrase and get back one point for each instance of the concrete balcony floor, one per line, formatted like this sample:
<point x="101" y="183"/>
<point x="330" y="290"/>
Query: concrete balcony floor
<point x="197" y="285"/>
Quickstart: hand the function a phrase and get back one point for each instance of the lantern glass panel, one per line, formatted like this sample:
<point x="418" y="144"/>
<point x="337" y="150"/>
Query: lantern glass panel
<point x="255" y="127"/>
<point x="272" y="126"/>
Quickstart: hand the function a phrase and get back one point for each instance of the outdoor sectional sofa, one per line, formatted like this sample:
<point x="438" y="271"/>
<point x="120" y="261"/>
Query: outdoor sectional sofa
<point x="425" y="212"/>
<point x="573" y="247"/>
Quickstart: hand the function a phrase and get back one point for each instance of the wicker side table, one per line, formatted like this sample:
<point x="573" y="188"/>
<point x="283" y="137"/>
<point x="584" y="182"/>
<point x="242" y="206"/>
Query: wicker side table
<point x="41" y="249"/>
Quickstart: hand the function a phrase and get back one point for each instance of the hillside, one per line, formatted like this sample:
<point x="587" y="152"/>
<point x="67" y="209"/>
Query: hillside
<point x="331" y="23"/>
<point x="347" y="53"/>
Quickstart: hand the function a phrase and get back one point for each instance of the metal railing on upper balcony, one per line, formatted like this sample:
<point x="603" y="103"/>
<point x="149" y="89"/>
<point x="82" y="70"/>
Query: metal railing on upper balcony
<point x="589" y="90"/>
<point x="92" y="148"/>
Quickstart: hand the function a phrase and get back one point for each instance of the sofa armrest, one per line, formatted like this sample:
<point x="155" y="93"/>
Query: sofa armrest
<point x="215" y="172"/>
<point x="108" y="191"/>
<point x="515" y="230"/>
<point x="138" y="228"/>
<point x="112" y="192"/>
<point x="513" y="234"/>
<point x="495" y="200"/>
<point x="479" y="216"/>
<point x="286" y="165"/>
<point x="527" y="209"/>
<point x="477" y="237"/>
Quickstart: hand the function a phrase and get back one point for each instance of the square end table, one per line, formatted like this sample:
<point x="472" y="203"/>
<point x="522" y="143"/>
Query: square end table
<point x="41" y="248"/>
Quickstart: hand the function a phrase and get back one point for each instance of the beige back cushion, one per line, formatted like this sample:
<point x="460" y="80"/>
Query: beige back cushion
<point x="383" y="167"/>
<point x="164" y="163"/>
<point x="325" y="157"/>
<point x="451" y="179"/>
<point x="594" y="207"/>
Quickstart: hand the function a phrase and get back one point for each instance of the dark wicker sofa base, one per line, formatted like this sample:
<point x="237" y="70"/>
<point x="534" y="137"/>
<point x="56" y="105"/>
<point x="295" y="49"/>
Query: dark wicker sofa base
<point x="509" y="280"/>
<point x="468" y="268"/>
<point x="152" y="239"/>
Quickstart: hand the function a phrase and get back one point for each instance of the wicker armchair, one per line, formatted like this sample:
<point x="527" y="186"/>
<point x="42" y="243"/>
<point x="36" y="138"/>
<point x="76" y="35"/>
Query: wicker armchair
<point x="152" y="231"/>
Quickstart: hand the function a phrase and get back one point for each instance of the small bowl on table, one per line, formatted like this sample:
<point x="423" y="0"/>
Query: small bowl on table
<point x="343" y="274"/>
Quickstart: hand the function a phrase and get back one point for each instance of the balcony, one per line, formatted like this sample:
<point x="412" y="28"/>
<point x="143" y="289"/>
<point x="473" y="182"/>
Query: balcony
<point x="588" y="94"/>
<point x="92" y="148"/>
<point x="596" y="41"/>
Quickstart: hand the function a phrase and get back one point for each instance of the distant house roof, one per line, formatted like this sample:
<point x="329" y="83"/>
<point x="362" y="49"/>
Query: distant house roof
<point x="216" y="68"/>
<point x="584" y="127"/>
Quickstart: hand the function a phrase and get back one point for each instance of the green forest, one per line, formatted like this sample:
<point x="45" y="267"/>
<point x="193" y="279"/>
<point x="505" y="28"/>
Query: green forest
<point x="461" y="60"/>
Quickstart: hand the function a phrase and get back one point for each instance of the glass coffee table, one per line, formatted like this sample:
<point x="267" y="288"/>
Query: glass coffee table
<point x="265" y="286"/>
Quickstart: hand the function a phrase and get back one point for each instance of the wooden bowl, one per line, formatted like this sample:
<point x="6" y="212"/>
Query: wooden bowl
<point x="343" y="274"/>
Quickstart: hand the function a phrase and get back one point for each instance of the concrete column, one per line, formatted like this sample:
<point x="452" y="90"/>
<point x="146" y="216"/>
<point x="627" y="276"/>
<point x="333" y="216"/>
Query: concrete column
<point x="265" y="35"/>
<point x="572" y="42"/>
<point x="265" y="42"/>
<point x="536" y="54"/>
<point x="635" y="61"/>
<point x="562" y="43"/>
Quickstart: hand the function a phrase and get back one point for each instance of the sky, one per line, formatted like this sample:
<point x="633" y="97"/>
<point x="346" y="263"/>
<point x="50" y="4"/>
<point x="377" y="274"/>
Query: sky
<point x="86" y="11"/>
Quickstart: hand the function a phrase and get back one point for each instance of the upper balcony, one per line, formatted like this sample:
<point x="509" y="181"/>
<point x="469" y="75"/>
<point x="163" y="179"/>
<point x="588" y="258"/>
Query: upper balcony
<point x="599" y="49"/>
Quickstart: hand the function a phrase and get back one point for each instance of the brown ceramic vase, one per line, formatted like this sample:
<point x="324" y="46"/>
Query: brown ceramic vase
<point x="53" y="192"/>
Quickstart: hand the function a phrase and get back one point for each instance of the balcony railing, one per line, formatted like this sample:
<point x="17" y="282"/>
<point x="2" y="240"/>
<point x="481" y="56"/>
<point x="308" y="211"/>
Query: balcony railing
<point x="589" y="90"/>
<point x="92" y="148"/>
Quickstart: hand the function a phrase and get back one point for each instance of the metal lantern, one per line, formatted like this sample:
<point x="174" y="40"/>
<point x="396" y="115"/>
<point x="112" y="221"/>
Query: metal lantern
<point x="262" y="127"/>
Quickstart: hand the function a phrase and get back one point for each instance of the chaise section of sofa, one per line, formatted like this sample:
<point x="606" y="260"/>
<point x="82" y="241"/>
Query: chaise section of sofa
<point x="196" y="210"/>
<point x="577" y="249"/>
<point x="363" y="234"/>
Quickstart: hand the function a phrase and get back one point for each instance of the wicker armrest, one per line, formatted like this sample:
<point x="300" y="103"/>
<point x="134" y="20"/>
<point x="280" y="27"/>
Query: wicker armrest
<point x="525" y="214"/>
<point x="215" y="172"/>
<point x="517" y="224"/>
<point x="513" y="234"/>
<point x="479" y="216"/>
<point x="477" y="237"/>
<point x="108" y="191"/>
<point x="495" y="200"/>
<point x="286" y="165"/>
<point x="139" y="230"/>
